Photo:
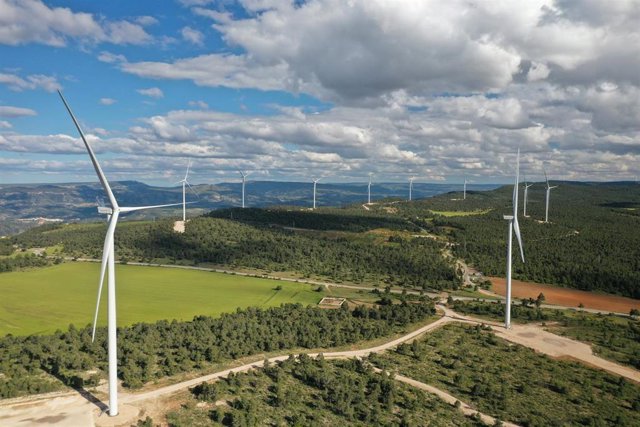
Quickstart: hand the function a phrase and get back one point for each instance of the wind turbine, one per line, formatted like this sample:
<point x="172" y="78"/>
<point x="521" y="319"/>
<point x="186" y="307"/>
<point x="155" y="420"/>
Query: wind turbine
<point x="369" y="189"/>
<point x="464" y="189"/>
<point x="108" y="262"/>
<point x="185" y="183"/>
<point x="526" y="192"/>
<point x="315" y="183"/>
<point x="514" y="227"/>
<point x="244" y="181"/>
<point x="549" y="188"/>
<point x="411" y="179"/>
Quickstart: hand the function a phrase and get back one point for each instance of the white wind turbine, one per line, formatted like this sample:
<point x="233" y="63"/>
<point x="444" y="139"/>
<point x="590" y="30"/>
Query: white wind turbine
<point x="244" y="181"/>
<point x="411" y="179"/>
<point x="315" y="183"/>
<point x="108" y="260"/>
<point x="514" y="227"/>
<point x="549" y="188"/>
<point x="369" y="189"/>
<point x="464" y="189"/>
<point x="185" y="183"/>
<point x="526" y="193"/>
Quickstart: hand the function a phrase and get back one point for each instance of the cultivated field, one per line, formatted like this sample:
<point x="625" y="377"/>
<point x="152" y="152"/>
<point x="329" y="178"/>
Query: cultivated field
<point x="43" y="300"/>
<point x="565" y="296"/>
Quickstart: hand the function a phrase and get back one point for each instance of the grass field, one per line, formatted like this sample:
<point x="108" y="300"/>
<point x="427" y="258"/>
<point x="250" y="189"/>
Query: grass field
<point x="42" y="300"/>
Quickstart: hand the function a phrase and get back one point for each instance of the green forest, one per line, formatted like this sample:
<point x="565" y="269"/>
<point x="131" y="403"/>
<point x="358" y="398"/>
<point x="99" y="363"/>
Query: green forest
<point x="304" y="391"/>
<point x="515" y="383"/>
<point x="354" y="257"/>
<point x="613" y="337"/>
<point x="151" y="351"/>
<point x="591" y="243"/>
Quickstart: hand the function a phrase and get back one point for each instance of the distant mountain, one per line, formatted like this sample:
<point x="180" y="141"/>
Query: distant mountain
<point x="25" y="205"/>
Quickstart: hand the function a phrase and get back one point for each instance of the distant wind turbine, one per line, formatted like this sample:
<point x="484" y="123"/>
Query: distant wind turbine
<point x="526" y="192"/>
<point x="549" y="188"/>
<point x="185" y="183"/>
<point x="411" y="179"/>
<point x="244" y="181"/>
<point x="514" y="227"/>
<point x="464" y="189"/>
<point x="315" y="183"/>
<point x="108" y="260"/>
<point x="369" y="189"/>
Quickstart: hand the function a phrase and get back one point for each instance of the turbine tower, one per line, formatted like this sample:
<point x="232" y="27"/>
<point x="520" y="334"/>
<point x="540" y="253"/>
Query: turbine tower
<point x="464" y="189"/>
<point x="185" y="183"/>
<point x="526" y="192"/>
<point x="411" y="186"/>
<point x="315" y="183"/>
<point x="369" y="189"/>
<point x="108" y="262"/>
<point x="244" y="181"/>
<point x="549" y="188"/>
<point x="514" y="227"/>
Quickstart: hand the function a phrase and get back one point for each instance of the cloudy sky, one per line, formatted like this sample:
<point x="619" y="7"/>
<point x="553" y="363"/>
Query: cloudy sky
<point x="339" y="88"/>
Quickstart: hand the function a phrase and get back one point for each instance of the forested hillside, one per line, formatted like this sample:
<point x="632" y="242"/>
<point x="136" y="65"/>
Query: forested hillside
<point x="151" y="351"/>
<point x="592" y="241"/>
<point x="375" y="258"/>
<point x="313" y="392"/>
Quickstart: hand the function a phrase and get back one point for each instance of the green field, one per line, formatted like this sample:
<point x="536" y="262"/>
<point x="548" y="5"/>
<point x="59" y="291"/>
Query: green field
<point x="42" y="300"/>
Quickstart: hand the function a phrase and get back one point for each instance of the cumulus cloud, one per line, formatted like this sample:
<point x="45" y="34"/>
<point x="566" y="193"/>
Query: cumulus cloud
<point x="192" y="36"/>
<point x="199" y="104"/>
<point x="12" y="112"/>
<point x="430" y="88"/>
<point x="153" y="92"/>
<point x="32" y="21"/>
<point x="110" y="58"/>
<point x="107" y="101"/>
<point x="33" y="81"/>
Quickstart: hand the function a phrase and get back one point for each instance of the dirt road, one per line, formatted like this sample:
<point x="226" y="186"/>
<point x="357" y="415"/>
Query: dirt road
<point x="71" y="410"/>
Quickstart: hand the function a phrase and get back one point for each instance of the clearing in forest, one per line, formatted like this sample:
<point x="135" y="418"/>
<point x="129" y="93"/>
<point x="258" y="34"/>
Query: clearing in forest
<point x="42" y="300"/>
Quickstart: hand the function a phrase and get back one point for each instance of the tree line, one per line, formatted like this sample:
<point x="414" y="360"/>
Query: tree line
<point x="149" y="351"/>
<point x="350" y="257"/>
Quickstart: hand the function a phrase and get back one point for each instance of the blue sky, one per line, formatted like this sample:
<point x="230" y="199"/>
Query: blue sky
<point x="320" y="88"/>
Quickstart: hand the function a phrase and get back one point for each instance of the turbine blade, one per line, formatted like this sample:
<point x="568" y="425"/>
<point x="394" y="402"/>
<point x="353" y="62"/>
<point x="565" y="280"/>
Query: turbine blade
<point x="191" y="188"/>
<point x="516" y="229"/>
<point x="187" y="174"/>
<point x="106" y="251"/>
<point x="139" y="208"/>
<point x="545" y="176"/>
<point x="94" y="160"/>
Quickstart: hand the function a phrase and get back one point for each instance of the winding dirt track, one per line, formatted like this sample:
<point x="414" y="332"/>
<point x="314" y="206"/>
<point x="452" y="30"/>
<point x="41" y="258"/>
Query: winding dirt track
<point x="75" y="410"/>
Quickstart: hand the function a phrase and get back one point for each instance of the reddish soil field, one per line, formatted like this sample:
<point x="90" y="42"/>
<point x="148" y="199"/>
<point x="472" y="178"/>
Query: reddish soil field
<point x="565" y="296"/>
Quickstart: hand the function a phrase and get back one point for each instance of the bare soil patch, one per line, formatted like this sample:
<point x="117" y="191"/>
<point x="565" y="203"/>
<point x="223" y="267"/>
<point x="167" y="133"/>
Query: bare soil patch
<point x="565" y="296"/>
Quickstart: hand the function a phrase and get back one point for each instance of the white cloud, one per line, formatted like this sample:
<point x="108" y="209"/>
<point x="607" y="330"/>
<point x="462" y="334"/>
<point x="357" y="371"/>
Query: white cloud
<point x="152" y="92"/>
<point x="199" y="104"/>
<point x="107" y="101"/>
<point x="8" y="111"/>
<point x="431" y="87"/>
<point x="5" y="124"/>
<point x="33" y="81"/>
<point x="192" y="36"/>
<point x="110" y="58"/>
<point x="146" y="20"/>
<point x="32" y="21"/>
